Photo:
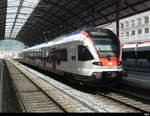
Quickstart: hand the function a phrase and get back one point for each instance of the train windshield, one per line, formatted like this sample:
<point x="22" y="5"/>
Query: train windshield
<point x="107" y="47"/>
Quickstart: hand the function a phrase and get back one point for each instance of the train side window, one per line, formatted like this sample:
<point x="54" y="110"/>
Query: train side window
<point x="63" y="54"/>
<point x="49" y="57"/>
<point x="140" y="54"/>
<point x="84" y="54"/>
<point x="143" y="54"/>
<point x="148" y="55"/>
<point x="128" y="55"/>
<point x="60" y="54"/>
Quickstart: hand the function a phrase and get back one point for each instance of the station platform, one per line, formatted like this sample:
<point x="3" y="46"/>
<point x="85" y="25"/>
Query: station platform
<point x="137" y="79"/>
<point x="72" y="100"/>
<point x="31" y="99"/>
<point x="8" y="98"/>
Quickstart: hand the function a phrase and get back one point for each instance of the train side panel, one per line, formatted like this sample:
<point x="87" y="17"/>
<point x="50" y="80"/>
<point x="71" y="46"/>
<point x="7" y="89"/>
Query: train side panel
<point x="77" y="55"/>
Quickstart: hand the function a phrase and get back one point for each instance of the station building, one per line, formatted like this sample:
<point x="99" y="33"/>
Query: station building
<point x="133" y="29"/>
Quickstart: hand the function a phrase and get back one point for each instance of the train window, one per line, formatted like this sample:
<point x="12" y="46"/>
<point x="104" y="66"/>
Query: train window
<point x="59" y="54"/>
<point x="128" y="55"/>
<point x="38" y="54"/>
<point x="63" y="54"/>
<point x="106" y="47"/>
<point x="139" y="54"/>
<point x="49" y="57"/>
<point x="143" y="54"/>
<point x="73" y="57"/>
<point x="84" y="54"/>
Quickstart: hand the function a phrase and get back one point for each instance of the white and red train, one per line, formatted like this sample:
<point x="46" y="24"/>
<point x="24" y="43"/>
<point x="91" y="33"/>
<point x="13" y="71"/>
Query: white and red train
<point x="90" y="55"/>
<point x="136" y="56"/>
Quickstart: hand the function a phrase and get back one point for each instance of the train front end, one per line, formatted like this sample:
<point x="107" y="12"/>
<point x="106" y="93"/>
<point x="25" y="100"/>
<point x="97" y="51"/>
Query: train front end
<point x="107" y="66"/>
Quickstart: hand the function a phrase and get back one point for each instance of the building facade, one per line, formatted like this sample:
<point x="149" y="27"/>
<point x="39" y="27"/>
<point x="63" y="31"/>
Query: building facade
<point x="133" y="29"/>
<point x="8" y="54"/>
<point x="10" y="48"/>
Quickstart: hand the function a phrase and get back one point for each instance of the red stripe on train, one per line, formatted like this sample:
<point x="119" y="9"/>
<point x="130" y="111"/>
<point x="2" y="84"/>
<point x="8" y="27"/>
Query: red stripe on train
<point x="110" y="62"/>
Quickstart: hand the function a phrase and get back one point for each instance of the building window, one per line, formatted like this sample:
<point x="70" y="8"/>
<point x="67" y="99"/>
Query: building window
<point x="127" y="34"/>
<point x="139" y="21"/>
<point x="133" y="33"/>
<point x="146" y="30"/>
<point x="127" y="24"/>
<point x="122" y="35"/>
<point x="122" y="26"/>
<point x="139" y="31"/>
<point x="132" y="23"/>
<point x="146" y="20"/>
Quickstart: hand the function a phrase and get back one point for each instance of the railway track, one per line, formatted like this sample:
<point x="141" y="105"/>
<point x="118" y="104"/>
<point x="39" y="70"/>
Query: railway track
<point x="72" y="100"/>
<point x="43" y="97"/>
<point x="130" y="99"/>
<point x="141" y="73"/>
<point x="31" y="97"/>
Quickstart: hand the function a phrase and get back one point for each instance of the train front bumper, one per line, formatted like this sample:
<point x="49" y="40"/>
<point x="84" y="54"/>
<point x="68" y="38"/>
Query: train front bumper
<point x="107" y="75"/>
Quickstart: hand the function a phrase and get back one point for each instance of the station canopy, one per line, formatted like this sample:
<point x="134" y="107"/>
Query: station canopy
<point x="37" y="21"/>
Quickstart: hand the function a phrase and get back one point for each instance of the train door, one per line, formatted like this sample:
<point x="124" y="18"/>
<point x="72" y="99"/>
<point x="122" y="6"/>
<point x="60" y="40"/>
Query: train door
<point x="54" y="58"/>
<point x="48" y="58"/>
<point x="72" y="58"/>
<point x="44" y="57"/>
<point x="84" y="60"/>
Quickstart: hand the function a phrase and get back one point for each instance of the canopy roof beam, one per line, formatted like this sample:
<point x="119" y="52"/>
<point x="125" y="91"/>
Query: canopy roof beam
<point x="16" y="17"/>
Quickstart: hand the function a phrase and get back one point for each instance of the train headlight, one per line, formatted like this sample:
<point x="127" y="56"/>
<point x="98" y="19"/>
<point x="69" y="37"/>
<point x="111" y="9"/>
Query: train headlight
<point x="94" y="74"/>
<point x="98" y="63"/>
<point x="119" y="63"/>
<point x="97" y="75"/>
<point x="113" y="74"/>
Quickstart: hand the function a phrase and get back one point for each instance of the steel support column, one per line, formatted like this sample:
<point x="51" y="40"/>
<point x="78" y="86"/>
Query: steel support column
<point x="117" y="17"/>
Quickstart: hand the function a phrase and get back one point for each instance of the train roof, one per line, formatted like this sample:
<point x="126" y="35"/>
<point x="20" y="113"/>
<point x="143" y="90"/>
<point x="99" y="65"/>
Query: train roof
<point x="130" y="45"/>
<point x="145" y="46"/>
<point x="142" y="44"/>
<point x="35" y="47"/>
<point x="61" y="39"/>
